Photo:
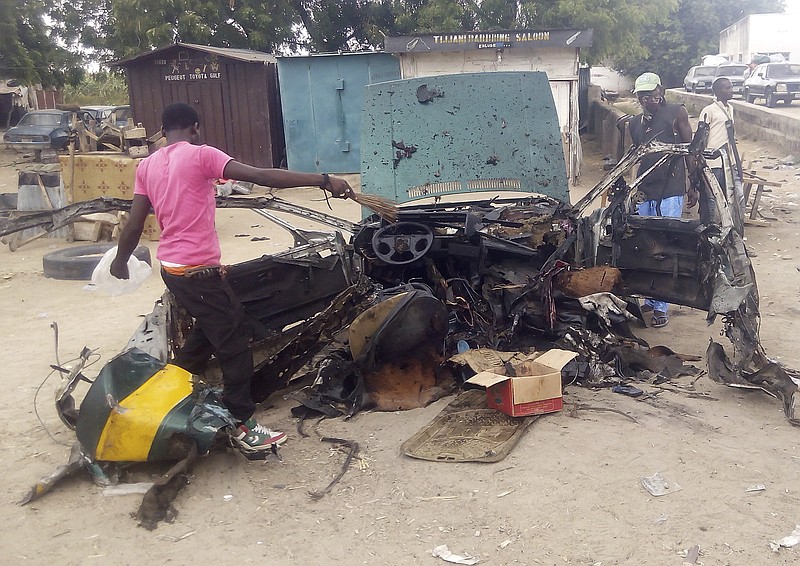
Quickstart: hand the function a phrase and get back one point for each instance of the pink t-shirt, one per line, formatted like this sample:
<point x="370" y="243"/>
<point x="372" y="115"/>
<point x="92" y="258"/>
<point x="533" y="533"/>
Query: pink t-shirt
<point x="179" y="181"/>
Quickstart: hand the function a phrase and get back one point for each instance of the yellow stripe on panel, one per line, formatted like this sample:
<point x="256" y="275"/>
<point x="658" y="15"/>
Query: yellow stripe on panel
<point x="133" y="424"/>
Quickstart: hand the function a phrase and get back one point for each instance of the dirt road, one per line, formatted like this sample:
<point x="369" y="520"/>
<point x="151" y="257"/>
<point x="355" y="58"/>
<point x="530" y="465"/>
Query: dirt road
<point x="569" y="493"/>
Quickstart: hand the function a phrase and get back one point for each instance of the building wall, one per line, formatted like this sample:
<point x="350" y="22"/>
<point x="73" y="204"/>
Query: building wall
<point x="761" y="33"/>
<point x="560" y="64"/>
<point x="609" y="79"/>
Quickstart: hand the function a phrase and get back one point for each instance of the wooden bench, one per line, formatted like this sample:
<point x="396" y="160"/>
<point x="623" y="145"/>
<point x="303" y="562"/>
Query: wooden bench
<point x="748" y="181"/>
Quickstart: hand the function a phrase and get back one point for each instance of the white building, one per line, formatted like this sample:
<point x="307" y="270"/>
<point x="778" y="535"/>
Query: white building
<point x="762" y="34"/>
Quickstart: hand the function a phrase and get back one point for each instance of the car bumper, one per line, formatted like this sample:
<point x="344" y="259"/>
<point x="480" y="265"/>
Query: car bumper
<point x="56" y="144"/>
<point x="28" y="146"/>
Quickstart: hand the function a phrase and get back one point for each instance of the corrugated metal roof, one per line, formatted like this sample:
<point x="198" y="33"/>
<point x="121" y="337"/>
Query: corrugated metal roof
<point x="246" y="55"/>
<point x="337" y="54"/>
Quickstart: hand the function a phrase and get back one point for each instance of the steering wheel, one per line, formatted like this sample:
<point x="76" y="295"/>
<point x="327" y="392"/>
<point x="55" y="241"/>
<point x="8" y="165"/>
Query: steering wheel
<point x="402" y="242"/>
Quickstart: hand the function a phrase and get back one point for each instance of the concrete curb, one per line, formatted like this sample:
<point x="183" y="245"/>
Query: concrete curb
<point x="752" y="121"/>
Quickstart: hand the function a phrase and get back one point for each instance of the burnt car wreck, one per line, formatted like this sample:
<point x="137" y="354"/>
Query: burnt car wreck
<point x="487" y="252"/>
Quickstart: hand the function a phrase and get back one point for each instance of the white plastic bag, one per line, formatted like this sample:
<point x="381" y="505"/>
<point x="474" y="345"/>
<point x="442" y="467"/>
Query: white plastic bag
<point x="106" y="283"/>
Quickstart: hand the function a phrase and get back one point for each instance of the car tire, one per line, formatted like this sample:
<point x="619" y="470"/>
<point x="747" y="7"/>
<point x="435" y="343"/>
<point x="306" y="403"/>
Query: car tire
<point x="78" y="263"/>
<point x="750" y="99"/>
<point x="770" y="99"/>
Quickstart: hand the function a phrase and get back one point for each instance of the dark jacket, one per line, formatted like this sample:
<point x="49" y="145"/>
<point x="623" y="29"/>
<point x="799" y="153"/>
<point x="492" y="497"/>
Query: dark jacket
<point x="669" y="179"/>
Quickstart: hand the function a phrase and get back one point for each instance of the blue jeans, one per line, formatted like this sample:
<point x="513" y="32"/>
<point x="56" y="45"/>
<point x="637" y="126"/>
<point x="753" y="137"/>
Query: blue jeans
<point x="672" y="207"/>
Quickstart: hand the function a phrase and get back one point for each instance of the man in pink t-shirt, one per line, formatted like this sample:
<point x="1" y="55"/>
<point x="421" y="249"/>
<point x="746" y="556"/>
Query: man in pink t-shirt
<point x="177" y="181"/>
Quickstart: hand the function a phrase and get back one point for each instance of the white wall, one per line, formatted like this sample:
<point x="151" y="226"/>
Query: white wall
<point x="609" y="79"/>
<point x="762" y="33"/>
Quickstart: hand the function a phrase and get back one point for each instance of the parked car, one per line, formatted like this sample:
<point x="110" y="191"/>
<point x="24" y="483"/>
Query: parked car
<point x="773" y="82"/>
<point x="93" y="113"/>
<point x="115" y="115"/>
<point x="40" y="129"/>
<point x="699" y="78"/>
<point x="734" y="72"/>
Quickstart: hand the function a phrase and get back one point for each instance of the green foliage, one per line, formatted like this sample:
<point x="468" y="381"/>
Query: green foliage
<point x="673" y="45"/>
<point x="27" y="50"/>
<point x="124" y="28"/>
<point x="616" y="23"/>
<point x="102" y="88"/>
<point x="665" y="36"/>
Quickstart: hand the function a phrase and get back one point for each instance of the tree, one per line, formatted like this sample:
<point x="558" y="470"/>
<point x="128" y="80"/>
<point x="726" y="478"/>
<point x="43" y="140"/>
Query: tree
<point x="122" y="28"/>
<point x="616" y="23"/>
<point x="27" y="51"/>
<point x="666" y="35"/>
<point x="675" y="44"/>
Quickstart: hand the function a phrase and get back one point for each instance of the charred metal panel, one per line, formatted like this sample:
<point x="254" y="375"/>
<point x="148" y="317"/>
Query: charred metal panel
<point x="662" y="258"/>
<point x="467" y="133"/>
<point x="283" y="289"/>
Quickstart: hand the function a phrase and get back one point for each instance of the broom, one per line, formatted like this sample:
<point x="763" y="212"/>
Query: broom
<point x="381" y="206"/>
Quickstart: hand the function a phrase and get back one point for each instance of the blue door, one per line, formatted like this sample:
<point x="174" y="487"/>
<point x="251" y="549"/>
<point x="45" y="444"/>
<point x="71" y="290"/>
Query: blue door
<point x="321" y="98"/>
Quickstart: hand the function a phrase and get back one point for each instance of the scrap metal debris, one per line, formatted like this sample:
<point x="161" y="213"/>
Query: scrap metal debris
<point x="657" y="485"/>
<point x="490" y="276"/>
<point x="692" y="555"/>
<point x="43" y="486"/>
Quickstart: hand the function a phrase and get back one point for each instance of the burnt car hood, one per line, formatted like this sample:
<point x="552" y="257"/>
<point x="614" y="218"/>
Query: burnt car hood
<point x="461" y="134"/>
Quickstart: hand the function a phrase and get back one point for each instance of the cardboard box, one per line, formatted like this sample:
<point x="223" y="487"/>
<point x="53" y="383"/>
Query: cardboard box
<point x="535" y="390"/>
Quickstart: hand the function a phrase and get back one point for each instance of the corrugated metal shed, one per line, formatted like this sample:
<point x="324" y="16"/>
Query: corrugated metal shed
<point x="321" y="97"/>
<point x="235" y="91"/>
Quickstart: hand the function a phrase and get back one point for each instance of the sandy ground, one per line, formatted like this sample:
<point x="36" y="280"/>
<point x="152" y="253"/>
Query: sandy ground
<point x="569" y="493"/>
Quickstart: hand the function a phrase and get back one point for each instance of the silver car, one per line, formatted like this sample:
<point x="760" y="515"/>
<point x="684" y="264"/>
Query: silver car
<point x="734" y="72"/>
<point x="699" y="78"/>
<point x="773" y="82"/>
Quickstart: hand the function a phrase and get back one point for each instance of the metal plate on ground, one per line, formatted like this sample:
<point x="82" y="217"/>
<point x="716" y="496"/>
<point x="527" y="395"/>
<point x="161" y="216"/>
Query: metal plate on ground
<point x="466" y="431"/>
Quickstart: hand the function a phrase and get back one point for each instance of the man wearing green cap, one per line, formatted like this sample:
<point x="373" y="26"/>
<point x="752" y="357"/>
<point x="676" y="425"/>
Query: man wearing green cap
<point x="664" y="187"/>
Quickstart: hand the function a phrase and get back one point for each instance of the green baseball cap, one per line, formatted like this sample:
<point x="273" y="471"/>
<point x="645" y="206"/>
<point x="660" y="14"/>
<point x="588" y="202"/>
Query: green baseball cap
<point x="646" y="82"/>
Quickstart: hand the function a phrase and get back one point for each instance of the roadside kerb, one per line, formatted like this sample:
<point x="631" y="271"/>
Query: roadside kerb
<point x="754" y="122"/>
